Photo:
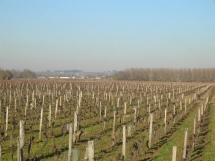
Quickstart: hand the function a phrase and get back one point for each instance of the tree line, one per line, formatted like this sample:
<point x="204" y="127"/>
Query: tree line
<point x="167" y="75"/>
<point x="9" y="74"/>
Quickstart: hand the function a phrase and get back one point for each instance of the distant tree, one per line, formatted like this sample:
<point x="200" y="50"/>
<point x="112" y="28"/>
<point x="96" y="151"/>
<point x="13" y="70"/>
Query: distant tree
<point x="16" y="73"/>
<point x="1" y="73"/>
<point x="165" y="74"/>
<point x="7" y="75"/>
<point x="26" y="73"/>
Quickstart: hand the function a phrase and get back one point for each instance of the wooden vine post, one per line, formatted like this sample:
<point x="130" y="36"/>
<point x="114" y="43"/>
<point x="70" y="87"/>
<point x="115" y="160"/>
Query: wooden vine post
<point x="41" y="123"/>
<point x="70" y="142"/>
<point x="20" y="141"/>
<point x="6" y="127"/>
<point x="185" y="144"/>
<point x="114" y="130"/>
<point x="90" y="150"/>
<point x="124" y="143"/>
<point x="174" y="152"/>
<point x="150" y="130"/>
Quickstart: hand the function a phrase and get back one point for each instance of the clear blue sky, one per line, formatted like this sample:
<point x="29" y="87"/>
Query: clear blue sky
<point x="96" y="35"/>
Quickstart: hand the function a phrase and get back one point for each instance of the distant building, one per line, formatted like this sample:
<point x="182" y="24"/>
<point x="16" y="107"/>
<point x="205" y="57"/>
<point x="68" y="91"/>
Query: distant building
<point x="41" y="77"/>
<point x="64" y="77"/>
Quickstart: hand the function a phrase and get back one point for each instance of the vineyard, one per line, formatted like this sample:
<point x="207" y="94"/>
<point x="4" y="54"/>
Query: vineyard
<point x="106" y="120"/>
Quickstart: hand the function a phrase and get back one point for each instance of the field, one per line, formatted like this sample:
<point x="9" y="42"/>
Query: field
<point x="106" y="120"/>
